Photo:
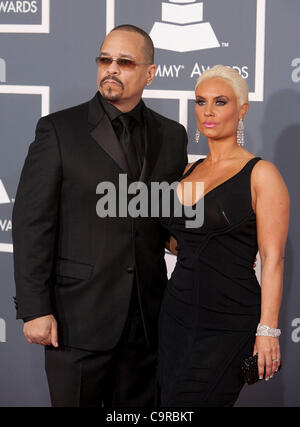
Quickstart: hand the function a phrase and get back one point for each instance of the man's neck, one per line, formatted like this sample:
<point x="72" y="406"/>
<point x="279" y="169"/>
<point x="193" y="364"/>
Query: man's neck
<point x="124" y="106"/>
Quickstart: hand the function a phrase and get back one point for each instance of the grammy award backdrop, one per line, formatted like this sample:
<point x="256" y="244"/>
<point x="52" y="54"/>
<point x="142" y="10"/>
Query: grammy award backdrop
<point x="47" y="51"/>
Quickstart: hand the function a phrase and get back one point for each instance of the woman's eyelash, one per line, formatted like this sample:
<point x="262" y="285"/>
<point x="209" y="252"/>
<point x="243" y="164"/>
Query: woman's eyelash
<point x="202" y="102"/>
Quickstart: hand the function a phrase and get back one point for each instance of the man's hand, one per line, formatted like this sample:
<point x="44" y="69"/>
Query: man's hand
<point x="42" y="330"/>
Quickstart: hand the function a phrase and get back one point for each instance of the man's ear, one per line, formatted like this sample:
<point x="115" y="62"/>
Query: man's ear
<point x="151" y="71"/>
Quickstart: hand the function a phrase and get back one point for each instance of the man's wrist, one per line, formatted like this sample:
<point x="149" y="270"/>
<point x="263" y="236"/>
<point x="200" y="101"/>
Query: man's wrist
<point x="29" y="318"/>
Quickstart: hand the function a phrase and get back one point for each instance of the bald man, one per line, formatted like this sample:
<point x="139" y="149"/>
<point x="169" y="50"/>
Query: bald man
<point x="89" y="286"/>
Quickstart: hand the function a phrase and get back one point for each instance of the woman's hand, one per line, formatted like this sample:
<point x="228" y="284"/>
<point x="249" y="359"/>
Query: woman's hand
<point x="269" y="358"/>
<point x="171" y="245"/>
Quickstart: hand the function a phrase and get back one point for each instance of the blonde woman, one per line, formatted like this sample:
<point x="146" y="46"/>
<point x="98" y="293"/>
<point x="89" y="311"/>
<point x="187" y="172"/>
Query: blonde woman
<point x="214" y="312"/>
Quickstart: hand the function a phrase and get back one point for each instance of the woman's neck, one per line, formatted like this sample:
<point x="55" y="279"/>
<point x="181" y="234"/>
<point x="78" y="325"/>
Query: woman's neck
<point x="223" y="150"/>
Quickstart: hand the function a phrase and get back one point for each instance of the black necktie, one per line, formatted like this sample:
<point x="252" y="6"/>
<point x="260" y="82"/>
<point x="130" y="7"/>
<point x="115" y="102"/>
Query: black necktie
<point x="129" y="146"/>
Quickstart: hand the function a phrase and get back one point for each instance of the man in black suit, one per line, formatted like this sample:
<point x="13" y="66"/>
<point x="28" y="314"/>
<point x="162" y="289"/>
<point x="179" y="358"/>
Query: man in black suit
<point x="89" y="288"/>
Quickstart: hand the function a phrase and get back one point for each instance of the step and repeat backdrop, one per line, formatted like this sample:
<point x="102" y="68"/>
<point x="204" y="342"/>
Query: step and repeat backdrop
<point x="47" y="51"/>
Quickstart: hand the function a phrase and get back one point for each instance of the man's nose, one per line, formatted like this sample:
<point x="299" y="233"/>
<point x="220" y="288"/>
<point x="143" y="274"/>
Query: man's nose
<point x="113" y="68"/>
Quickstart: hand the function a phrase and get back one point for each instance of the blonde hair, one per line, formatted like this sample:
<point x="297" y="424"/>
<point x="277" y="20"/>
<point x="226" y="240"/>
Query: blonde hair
<point x="232" y="76"/>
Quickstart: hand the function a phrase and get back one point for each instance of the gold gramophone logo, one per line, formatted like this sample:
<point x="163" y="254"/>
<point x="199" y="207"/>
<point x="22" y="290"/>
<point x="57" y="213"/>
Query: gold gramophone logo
<point x="183" y="28"/>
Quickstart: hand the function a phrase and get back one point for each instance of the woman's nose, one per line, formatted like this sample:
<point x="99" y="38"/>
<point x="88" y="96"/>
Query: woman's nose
<point x="208" y="111"/>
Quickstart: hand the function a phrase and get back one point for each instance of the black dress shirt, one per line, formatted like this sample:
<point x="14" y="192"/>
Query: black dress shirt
<point x="137" y="127"/>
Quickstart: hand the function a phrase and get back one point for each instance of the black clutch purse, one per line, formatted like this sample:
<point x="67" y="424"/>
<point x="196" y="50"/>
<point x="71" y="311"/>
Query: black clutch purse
<point x="250" y="369"/>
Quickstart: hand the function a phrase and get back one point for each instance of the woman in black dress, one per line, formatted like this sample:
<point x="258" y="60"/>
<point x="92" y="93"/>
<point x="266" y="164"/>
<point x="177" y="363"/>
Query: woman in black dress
<point x="213" y="306"/>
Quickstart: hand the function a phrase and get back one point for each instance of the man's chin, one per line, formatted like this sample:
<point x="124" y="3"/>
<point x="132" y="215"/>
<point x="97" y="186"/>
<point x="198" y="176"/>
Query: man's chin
<point x="110" y="95"/>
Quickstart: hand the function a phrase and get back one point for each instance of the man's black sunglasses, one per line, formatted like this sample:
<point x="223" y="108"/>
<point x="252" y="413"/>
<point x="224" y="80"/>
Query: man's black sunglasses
<point x="124" y="63"/>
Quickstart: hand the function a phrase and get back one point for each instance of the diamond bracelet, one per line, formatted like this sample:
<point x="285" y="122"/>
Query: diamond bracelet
<point x="266" y="331"/>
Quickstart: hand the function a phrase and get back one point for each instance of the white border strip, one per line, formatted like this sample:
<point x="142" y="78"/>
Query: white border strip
<point x="183" y="96"/>
<point x="44" y="91"/>
<point x="258" y="94"/>
<point x="44" y="27"/>
<point x="7" y="248"/>
<point x="110" y="15"/>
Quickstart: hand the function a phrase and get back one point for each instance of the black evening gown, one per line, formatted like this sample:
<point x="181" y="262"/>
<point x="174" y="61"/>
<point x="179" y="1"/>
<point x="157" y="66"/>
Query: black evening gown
<point x="211" y="306"/>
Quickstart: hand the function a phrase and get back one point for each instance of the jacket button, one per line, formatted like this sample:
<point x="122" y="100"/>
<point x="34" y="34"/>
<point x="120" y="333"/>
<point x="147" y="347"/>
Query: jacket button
<point x="130" y="270"/>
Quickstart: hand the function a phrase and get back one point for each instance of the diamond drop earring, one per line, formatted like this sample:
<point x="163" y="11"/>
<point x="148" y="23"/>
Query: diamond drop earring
<point x="240" y="133"/>
<point x="197" y="136"/>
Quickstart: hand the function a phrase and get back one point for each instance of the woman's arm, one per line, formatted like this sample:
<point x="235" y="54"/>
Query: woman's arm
<point x="271" y="204"/>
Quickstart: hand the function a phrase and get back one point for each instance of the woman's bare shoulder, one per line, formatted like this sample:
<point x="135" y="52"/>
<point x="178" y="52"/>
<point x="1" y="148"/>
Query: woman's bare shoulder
<point x="266" y="175"/>
<point x="265" y="169"/>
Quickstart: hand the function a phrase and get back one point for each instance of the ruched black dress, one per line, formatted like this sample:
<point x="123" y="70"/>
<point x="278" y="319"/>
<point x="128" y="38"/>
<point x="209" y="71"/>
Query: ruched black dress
<point x="211" y="306"/>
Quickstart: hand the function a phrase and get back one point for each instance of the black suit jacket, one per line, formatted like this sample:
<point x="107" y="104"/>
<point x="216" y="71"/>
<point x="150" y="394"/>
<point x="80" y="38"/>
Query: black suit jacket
<point x="69" y="261"/>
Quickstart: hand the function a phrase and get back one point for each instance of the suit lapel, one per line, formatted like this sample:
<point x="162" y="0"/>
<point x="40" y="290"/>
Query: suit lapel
<point x="153" y="141"/>
<point x="102" y="132"/>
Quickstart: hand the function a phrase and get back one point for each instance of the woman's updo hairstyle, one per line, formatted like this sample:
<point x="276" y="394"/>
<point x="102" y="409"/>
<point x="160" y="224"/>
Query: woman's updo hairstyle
<point x="232" y="76"/>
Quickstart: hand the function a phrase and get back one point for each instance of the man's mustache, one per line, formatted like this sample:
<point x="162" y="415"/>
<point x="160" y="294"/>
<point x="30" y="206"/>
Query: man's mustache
<point x="111" y="78"/>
